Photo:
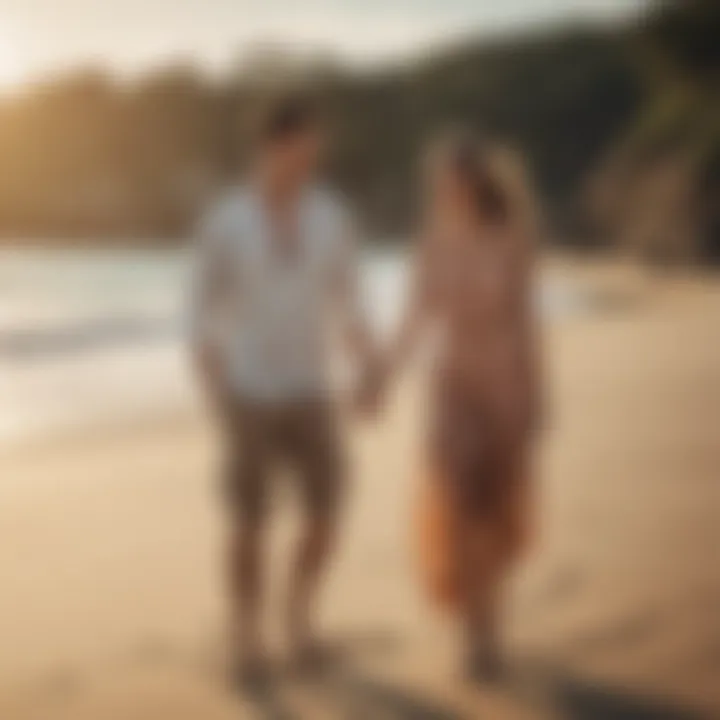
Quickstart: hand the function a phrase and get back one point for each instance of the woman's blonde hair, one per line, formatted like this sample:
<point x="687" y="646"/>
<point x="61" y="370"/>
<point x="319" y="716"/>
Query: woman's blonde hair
<point x="495" y="175"/>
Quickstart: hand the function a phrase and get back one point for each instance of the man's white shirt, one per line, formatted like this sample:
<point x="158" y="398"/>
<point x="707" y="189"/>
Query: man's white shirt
<point x="267" y="313"/>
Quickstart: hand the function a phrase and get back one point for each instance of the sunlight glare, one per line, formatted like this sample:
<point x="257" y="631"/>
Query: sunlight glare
<point x="12" y="72"/>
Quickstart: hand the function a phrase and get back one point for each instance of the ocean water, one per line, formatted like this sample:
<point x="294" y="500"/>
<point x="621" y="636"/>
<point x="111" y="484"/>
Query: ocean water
<point x="95" y="336"/>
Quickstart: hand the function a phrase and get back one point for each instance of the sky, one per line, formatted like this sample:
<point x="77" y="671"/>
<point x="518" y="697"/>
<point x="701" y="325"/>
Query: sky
<point x="51" y="36"/>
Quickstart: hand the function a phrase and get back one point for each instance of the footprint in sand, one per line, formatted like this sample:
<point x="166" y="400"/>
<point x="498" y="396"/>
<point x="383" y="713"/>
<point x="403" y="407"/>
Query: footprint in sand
<point x="628" y="630"/>
<point x="153" y="651"/>
<point x="60" y="685"/>
<point x="561" y="585"/>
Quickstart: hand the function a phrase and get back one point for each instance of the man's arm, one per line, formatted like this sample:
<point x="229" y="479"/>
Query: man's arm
<point x="357" y="336"/>
<point x="210" y="290"/>
<point x="417" y="310"/>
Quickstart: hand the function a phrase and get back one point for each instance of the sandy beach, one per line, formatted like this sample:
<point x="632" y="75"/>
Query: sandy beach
<point x="111" y="602"/>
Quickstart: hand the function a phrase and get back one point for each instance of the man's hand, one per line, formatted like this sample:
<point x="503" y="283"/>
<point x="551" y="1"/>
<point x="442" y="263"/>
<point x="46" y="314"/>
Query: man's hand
<point x="209" y="369"/>
<point x="370" y="393"/>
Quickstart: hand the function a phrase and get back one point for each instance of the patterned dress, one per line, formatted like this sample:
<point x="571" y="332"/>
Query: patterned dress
<point x="481" y="399"/>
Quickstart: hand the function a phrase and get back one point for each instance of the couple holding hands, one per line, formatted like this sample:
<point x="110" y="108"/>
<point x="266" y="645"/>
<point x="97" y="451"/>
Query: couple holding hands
<point x="277" y="269"/>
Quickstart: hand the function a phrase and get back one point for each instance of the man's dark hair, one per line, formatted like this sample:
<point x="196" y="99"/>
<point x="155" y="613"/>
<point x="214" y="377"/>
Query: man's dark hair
<point x="288" y="116"/>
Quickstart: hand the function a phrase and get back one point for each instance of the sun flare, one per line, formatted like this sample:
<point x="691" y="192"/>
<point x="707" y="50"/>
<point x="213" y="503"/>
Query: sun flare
<point x="12" y="70"/>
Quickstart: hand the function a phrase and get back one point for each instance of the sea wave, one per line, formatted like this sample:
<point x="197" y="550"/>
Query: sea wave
<point x="24" y="343"/>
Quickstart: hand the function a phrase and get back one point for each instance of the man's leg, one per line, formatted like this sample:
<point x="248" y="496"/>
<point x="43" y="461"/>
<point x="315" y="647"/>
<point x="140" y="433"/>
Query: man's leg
<point x="313" y="551"/>
<point x="245" y="579"/>
<point x="321" y="477"/>
<point x="248" y="476"/>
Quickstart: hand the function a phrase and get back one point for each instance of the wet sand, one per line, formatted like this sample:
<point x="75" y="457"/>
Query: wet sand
<point x="110" y="597"/>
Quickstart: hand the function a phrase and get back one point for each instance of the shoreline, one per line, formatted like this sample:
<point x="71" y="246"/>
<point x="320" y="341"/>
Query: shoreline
<point x="61" y="368"/>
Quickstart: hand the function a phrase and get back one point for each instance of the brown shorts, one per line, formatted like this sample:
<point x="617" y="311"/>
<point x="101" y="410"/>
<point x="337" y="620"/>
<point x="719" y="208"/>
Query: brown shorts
<point x="302" y="435"/>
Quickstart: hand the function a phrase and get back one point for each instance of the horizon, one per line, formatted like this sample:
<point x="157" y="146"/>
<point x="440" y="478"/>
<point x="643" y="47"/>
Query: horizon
<point x="216" y="37"/>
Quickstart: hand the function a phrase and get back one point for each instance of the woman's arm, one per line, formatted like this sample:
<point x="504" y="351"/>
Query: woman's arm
<point x="527" y="232"/>
<point x="416" y="314"/>
<point x="529" y="332"/>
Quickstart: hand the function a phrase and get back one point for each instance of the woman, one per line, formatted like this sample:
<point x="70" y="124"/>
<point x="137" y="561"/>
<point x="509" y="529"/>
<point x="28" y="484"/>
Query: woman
<point x="472" y="280"/>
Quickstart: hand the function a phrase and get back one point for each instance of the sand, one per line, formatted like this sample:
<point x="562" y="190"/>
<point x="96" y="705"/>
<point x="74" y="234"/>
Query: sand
<point x="111" y="601"/>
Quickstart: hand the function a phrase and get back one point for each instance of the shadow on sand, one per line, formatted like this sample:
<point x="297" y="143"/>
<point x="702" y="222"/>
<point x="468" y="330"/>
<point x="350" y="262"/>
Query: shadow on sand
<point x="347" y="693"/>
<point x="340" y="689"/>
<point x="579" y="700"/>
<point x="570" y="697"/>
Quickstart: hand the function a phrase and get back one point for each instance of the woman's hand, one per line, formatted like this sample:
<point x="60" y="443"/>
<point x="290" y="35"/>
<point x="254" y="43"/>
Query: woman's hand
<point x="369" y="395"/>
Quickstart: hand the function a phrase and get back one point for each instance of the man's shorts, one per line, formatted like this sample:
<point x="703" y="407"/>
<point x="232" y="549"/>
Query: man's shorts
<point x="301" y="435"/>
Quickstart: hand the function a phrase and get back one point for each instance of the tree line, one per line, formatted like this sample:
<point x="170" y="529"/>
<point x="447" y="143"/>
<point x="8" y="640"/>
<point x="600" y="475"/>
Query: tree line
<point x="87" y="157"/>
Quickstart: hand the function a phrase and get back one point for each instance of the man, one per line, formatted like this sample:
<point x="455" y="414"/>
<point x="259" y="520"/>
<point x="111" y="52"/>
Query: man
<point x="277" y="265"/>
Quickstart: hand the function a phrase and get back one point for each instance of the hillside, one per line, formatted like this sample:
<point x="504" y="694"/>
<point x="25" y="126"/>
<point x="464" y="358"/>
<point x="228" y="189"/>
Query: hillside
<point x="592" y="109"/>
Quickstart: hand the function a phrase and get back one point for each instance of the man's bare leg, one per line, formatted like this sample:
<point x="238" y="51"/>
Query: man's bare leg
<point x="246" y="580"/>
<point x="320" y="476"/>
<point x="313" y="553"/>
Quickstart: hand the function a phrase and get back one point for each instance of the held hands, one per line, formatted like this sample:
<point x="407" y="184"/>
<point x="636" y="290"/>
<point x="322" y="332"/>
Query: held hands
<point x="370" y="392"/>
<point x="209" y="369"/>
